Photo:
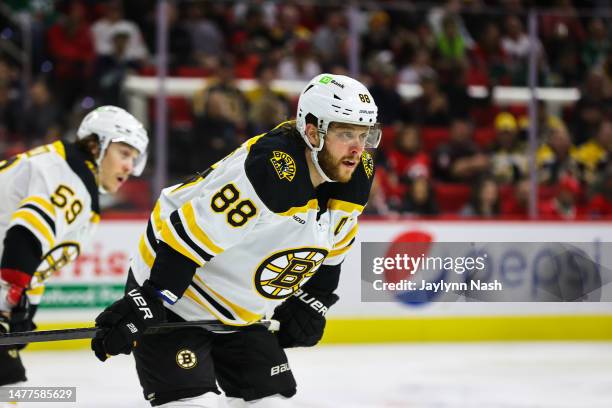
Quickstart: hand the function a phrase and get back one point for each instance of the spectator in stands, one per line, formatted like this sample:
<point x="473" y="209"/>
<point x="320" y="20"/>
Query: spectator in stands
<point x="388" y="99"/>
<point x="517" y="206"/>
<point x="451" y="9"/>
<point x="42" y="119"/>
<point x="180" y="47"/>
<point x="206" y="37"/>
<point x="288" y="29"/>
<point x="563" y="204"/>
<point x="111" y="22"/>
<point x="220" y="111"/>
<point x="594" y="104"/>
<point x="431" y="108"/>
<point x="420" y="67"/>
<point x="508" y="159"/>
<point x="377" y="202"/>
<point x="600" y="204"/>
<point x="517" y="45"/>
<point x="10" y="79"/>
<point x="378" y="36"/>
<point x="330" y="39"/>
<point x="595" y="154"/>
<point x="450" y="45"/>
<point x="562" y="33"/>
<point x="111" y="70"/>
<point x="300" y="65"/>
<point x="267" y="107"/>
<point x="567" y="70"/>
<point x="485" y="201"/>
<point x="461" y="103"/>
<point x="420" y="199"/>
<point x="488" y="55"/>
<point x="403" y="162"/>
<point x="597" y="45"/>
<point x="406" y="158"/>
<point x="460" y="160"/>
<point x="71" y="47"/>
<point x="557" y="157"/>
<point x="9" y="116"/>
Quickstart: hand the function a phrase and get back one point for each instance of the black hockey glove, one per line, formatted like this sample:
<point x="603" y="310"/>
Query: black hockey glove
<point x="21" y="318"/>
<point x="302" y="319"/>
<point x="123" y="322"/>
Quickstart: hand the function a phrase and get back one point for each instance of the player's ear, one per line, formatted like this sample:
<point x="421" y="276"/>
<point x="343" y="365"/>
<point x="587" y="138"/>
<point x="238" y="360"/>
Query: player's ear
<point x="313" y="135"/>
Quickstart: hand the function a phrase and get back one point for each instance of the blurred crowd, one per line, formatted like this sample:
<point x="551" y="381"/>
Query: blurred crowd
<point x="445" y="152"/>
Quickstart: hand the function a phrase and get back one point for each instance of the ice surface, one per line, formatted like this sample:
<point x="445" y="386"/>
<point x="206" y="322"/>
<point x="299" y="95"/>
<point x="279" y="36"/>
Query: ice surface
<point x="434" y="375"/>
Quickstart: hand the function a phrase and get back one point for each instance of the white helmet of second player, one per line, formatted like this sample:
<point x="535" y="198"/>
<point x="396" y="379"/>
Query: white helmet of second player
<point x="112" y="124"/>
<point x="337" y="98"/>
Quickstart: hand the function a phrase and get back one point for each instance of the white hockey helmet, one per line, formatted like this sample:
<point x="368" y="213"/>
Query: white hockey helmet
<point x="337" y="98"/>
<point x="112" y="124"/>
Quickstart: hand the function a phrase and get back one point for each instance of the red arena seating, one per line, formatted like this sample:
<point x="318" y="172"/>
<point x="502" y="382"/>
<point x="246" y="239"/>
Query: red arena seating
<point x="451" y="197"/>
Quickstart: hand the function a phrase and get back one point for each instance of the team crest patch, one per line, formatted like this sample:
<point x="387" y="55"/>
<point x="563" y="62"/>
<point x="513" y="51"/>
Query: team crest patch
<point x="368" y="163"/>
<point x="284" y="165"/>
<point x="186" y="359"/>
<point x="281" y="274"/>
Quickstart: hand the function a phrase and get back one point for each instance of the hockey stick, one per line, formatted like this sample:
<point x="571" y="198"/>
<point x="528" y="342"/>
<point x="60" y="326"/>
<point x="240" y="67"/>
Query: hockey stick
<point x="90" y="332"/>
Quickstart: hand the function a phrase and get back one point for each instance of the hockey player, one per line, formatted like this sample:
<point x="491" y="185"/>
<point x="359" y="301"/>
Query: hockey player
<point x="49" y="209"/>
<point x="269" y="225"/>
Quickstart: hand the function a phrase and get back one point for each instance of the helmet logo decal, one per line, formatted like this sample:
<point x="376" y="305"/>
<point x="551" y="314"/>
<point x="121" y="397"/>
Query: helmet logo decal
<point x="284" y="165"/>
<point x="325" y="80"/>
<point x="368" y="164"/>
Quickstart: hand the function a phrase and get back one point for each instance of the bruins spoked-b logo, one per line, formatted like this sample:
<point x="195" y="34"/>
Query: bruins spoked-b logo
<point x="368" y="163"/>
<point x="281" y="274"/>
<point x="284" y="165"/>
<point x="186" y="359"/>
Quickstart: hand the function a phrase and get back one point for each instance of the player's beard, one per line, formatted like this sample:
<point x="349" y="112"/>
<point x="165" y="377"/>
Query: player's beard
<point x="333" y="168"/>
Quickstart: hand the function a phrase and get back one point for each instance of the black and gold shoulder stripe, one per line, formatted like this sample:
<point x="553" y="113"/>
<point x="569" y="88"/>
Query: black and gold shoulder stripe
<point x="38" y="215"/>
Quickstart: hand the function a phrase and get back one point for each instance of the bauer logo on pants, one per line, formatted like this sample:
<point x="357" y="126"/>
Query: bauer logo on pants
<point x="186" y="359"/>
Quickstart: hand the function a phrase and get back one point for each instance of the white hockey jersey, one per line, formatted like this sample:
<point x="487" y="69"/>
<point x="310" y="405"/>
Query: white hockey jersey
<point x="253" y="225"/>
<point x="52" y="191"/>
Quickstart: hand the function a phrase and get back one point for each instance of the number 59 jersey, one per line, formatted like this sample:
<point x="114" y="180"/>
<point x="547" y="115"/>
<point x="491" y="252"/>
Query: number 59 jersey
<point x="255" y="227"/>
<point x="52" y="192"/>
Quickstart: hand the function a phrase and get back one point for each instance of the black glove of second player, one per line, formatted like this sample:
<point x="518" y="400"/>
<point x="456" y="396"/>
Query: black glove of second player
<point x="123" y="322"/>
<point x="302" y="319"/>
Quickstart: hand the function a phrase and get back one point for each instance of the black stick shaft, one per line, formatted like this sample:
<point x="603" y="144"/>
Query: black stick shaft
<point x="90" y="332"/>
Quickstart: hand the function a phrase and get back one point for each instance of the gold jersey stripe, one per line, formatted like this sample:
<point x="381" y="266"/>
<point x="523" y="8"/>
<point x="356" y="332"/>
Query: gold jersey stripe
<point x="339" y="251"/>
<point x="156" y="215"/>
<point x="350" y="235"/>
<point x="37" y="291"/>
<point x="187" y="185"/>
<point x="41" y="202"/>
<point x="59" y="149"/>
<point x="145" y="252"/>
<point x="252" y="141"/>
<point x="190" y="294"/>
<point x="195" y="230"/>
<point x="168" y="237"/>
<point x="241" y="312"/>
<point x="310" y="205"/>
<point x="94" y="218"/>
<point x="33" y="221"/>
<point x="345" y="206"/>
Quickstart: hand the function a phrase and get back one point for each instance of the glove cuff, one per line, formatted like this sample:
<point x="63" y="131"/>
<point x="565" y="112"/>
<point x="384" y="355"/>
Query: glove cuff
<point x="316" y="304"/>
<point x="146" y="303"/>
<point x="15" y="277"/>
